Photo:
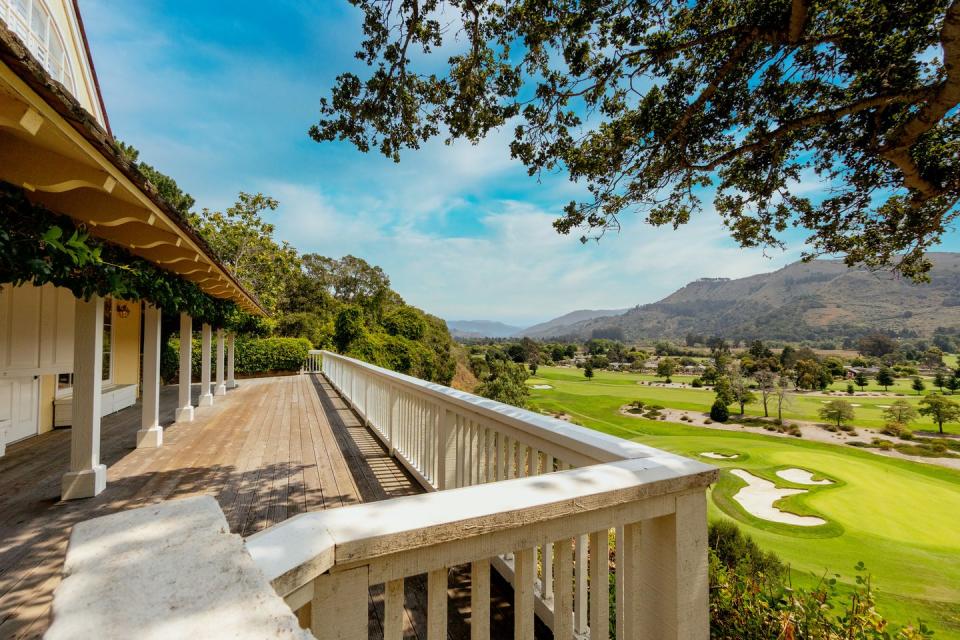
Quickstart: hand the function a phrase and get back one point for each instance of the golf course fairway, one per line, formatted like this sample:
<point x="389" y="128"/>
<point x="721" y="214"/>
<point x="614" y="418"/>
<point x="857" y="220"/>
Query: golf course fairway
<point x="900" y="518"/>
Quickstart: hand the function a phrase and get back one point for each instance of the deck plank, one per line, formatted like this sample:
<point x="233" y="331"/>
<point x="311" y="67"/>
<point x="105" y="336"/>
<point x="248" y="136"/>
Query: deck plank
<point x="269" y="449"/>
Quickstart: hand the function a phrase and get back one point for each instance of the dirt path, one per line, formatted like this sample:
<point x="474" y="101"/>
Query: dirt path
<point x="809" y="431"/>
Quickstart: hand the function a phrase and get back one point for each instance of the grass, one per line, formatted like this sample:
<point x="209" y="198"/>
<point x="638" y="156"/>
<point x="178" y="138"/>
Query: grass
<point x="897" y="516"/>
<point x="803" y="406"/>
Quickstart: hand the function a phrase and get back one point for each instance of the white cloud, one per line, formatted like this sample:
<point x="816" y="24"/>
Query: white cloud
<point x="517" y="268"/>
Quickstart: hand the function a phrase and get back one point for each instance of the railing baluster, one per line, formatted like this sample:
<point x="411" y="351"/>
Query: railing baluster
<point x="480" y="600"/>
<point x="338" y="610"/>
<point x="393" y="610"/>
<point x="461" y="450"/>
<point x="563" y="590"/>
<point x="600" y="585"/>
<point x="633" y="581"/>
<point x="437" y="605"/>
<point x="580" y="620"/>
<point x="524" y="568"/>
<point x="501" y="457"/>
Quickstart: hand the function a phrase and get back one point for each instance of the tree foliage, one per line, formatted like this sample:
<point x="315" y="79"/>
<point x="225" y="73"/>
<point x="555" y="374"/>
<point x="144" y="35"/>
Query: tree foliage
<point x="940" y="409"/>
<point x="505" y="382"/>
<point x="838" y="412"/>
<point x="651" y="103"/>
<point x="244" y="242"/>
<point x="166" y="186"/>
<point x="900" y="412"/>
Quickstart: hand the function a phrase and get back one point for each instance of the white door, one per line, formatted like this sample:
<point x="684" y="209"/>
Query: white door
<point x="20" y="404"/>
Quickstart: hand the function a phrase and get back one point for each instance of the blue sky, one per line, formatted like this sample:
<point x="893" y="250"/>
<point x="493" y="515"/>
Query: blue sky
<point x="220" y="96"/>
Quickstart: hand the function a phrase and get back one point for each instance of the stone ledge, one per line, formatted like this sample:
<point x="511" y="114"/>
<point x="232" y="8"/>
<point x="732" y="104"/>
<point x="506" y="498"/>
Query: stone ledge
<point x="170" y="570"/>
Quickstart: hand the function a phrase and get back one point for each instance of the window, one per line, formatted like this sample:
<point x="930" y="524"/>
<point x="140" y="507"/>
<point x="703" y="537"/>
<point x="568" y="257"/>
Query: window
<point x="31" y="21"/>
<point x="107" y="338"/>
<point x="64" y="384"/>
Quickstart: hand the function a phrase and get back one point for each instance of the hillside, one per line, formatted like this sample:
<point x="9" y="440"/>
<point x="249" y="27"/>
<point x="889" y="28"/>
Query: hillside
<point x="550" y="327"/>
<point x="481" y="329"/>
<point x="822" y="299"/>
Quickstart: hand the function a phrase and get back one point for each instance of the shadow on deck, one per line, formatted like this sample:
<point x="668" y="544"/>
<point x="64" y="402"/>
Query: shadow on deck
<point x="270" y="449"/>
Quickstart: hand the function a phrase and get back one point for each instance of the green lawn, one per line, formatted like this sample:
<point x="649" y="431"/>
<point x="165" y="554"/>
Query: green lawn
<point x="950" y="359"/>
<point x="868" y="412"/>
<point x="898" y="517"/>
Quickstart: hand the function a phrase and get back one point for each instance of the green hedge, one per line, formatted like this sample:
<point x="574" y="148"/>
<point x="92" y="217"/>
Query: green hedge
<point x="253" y="356"/>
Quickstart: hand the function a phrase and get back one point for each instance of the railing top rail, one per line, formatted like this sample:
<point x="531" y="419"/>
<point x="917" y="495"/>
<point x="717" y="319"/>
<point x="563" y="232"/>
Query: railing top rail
<point x="297" y="550"/>
<point x="597" y="446"/>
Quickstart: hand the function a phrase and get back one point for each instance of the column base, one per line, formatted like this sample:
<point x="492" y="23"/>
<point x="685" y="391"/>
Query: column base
<point x="206" y="400"/>
<point x="221" y="390"/>
<point x="184" y="414"/>
<point x="83" y="484"/>
<point x="231" y="384"/>
<point x="150" y="438"/>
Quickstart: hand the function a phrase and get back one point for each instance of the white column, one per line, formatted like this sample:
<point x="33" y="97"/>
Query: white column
<point x="151" y="433"/>
<point x="206" y="397"/>
<point x="231" y="380"/>
<point x="184" y="412"/>
<point x="221" y="388"/>
<point x="87" y="477"/>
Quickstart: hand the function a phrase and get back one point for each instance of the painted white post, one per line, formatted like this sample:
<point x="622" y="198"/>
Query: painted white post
<point x="672" y="570"/>
<point x="87" y="477"/>
<point x="184" y="412"/>
<point x="447" y="451"/>
<point x="231" y="380"/>
<point x="221" y="389"/>
<point x="206" y="397"/>
<point x="150" y="434"/>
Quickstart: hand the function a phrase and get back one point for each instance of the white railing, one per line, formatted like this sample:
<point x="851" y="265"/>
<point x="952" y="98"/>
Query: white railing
<point x="532" y="496"/>
<point x="314" y="362"/>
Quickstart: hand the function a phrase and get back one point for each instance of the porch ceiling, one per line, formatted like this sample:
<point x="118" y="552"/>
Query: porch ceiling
<point x="62" y="157"/>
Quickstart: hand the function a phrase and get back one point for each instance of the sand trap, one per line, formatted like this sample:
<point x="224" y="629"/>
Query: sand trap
<point x="758" y="498"/>
<point x="883" y="406"/>
<point x="800" y="476"/>
<point x="718" y="456"/>
<point x="541" y="386"/>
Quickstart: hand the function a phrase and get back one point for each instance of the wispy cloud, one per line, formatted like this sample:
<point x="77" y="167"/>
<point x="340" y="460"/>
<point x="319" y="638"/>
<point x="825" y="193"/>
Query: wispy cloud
<point x="223" y="103"/>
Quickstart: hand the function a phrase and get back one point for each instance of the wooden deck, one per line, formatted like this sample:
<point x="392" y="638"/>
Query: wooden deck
<point x="270" y="449"/>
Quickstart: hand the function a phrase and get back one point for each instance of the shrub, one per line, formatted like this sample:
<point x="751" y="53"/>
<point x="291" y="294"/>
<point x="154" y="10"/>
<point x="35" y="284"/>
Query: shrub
<point x="719" y="411"/>
<point x="253" y="356"/>
<point x="696" y="383"/>
<point x="897" y="430"/>
<point x="267" y="355"/>
<point x="751" y="597"/>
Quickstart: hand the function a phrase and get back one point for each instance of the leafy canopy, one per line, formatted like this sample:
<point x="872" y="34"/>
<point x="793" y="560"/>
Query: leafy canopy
<point x="244" y="242"/>
<point x="651" y="103"/>
<point x="837" y="411"/>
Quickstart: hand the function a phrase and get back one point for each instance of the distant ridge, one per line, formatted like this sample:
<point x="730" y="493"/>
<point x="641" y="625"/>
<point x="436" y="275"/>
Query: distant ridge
<point x="481" y="329"/>
<point x="550" y="328"/>
<point x="822" y="299"/>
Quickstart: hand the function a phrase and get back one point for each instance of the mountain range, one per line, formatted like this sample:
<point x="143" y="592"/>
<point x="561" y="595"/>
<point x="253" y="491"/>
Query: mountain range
<point x="821" y="299"/>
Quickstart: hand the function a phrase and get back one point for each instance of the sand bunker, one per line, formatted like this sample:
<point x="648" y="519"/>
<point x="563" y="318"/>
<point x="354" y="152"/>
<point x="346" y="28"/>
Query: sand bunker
<point x="541" y="386"/>
<point x="758" y="498"/>
<point x="718" y="456"/>
<point x="800" y="476"/>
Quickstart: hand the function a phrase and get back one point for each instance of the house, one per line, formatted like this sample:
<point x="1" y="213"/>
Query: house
<point x="852" y="372"/>
<point x="340" y="503"/>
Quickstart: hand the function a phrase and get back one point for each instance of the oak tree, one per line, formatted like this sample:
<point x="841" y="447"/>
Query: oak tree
<point x="656" y="105"/>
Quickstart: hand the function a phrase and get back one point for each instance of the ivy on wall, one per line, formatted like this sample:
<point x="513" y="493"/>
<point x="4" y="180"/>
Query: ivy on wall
<point x="43" y="247"/>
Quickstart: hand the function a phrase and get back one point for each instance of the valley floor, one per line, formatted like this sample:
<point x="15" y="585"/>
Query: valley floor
<point x="896" y="516"/>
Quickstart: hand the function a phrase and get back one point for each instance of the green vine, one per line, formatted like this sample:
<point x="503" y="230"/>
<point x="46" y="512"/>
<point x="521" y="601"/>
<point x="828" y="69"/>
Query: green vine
<point x="42" y="247"/>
